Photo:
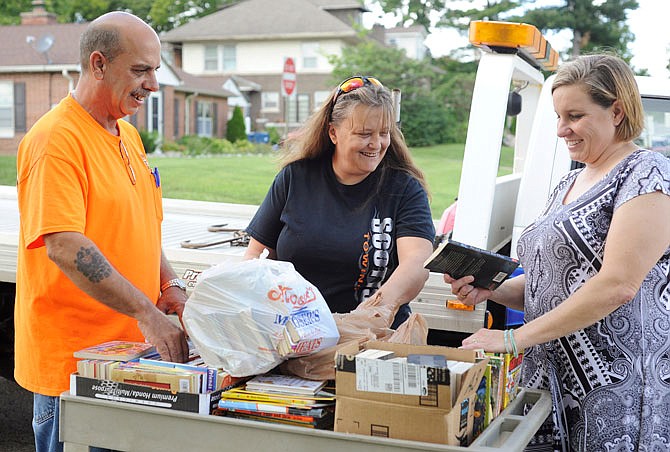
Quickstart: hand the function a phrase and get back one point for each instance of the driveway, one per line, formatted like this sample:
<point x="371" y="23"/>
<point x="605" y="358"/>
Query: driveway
<point x="16" y="432"/>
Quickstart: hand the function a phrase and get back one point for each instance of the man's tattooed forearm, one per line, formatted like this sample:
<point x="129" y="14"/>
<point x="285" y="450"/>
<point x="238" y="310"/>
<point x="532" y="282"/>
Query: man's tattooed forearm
<point x="92" y="264"/>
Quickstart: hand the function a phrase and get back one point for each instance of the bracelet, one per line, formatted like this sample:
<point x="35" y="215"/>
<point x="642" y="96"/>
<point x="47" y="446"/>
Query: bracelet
<point x="515" y="351"/>
<point x="506" y="341"/>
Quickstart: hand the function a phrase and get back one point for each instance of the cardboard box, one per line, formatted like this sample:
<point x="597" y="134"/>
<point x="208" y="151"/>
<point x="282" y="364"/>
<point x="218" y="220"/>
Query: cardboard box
<point x="434" y="418"/>
<point x="143" y="395"/>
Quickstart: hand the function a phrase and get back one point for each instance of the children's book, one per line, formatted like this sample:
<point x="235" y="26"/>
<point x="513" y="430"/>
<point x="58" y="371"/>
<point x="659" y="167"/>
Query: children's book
<point x="116" y="351"/>
<point x="458" y="259"/>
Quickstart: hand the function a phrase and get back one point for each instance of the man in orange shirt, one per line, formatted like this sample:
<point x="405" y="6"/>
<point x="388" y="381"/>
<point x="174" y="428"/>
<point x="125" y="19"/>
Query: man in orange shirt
<point x="90" y="265"/>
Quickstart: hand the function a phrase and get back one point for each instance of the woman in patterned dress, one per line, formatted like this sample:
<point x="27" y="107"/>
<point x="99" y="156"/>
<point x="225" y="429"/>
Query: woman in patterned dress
<point x="596" y="288"/>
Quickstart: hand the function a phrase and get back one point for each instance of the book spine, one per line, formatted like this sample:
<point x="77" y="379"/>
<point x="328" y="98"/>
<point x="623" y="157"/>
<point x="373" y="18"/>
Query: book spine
<point x="252" y="406"/>
<point x="288" y="416"/>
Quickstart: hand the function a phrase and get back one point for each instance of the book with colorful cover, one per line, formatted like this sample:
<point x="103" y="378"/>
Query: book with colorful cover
<point x="237" y="405"/>
<point x="323" y="423"/>
<point x="512" y="377"/>
<point x="497" y="391"/>
<point x="321" y="400"/>
<point x="116" y="351"/>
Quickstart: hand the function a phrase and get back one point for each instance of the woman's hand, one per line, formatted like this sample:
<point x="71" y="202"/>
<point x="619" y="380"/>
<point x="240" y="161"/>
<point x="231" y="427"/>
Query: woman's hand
<point x="488" y="340"/>
<point x="466" y="293"/>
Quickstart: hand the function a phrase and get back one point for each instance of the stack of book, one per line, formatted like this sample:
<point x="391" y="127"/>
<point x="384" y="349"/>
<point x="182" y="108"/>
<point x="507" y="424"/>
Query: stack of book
<point x="498" y="388"/>
<point x="138" y="363"/>
<point x="282" y="399"/>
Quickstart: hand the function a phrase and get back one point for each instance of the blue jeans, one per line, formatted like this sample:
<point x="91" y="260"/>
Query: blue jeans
<point x="45" y="423"/>
<point x="46" y="412"/>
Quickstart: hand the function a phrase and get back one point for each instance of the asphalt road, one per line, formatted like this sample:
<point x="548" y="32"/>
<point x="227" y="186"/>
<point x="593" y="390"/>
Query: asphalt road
<point x="16" y="408"/>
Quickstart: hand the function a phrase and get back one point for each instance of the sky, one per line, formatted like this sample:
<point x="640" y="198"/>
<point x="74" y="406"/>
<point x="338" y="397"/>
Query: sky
<point x="649" y="23"/>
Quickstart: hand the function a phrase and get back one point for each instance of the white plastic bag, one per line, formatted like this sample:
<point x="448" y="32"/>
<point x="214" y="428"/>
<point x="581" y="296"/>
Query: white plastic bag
<point x="238" y="314"/>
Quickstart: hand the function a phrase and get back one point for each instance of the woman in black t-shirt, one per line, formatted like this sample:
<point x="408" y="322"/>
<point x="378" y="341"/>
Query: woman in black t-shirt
<point x="349" y="208"/>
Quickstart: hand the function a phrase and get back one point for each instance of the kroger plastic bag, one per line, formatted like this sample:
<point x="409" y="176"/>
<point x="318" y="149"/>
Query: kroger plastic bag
<point x="248" y="317"/>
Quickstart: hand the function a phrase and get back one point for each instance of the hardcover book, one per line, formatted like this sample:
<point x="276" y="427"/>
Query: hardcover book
<point x="459" y="260"/>
<point x="116" y="351"/>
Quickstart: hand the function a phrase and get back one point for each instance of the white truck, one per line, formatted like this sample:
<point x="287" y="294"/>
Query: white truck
<point x="491" y="210"/>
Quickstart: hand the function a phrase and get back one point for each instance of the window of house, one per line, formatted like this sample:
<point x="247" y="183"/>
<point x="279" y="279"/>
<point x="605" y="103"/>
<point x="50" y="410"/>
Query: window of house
<point x="298" y="108"/>
<point x="211" y="58"/>
<point x="320" y="97"/>
<point x="229" y="57"/>
<point x="6" y="109"/>
<point x="270" y="101"/>
<point x="175" y="125"/>
<point x="204" y="119"/>
<point x="310" y="55"/>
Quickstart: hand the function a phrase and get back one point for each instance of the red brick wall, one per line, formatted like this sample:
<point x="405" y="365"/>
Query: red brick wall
<point x="43" y="91"/>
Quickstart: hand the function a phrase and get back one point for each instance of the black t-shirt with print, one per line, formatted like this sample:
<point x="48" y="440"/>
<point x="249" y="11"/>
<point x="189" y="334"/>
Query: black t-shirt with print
<point x="342" y="238"/>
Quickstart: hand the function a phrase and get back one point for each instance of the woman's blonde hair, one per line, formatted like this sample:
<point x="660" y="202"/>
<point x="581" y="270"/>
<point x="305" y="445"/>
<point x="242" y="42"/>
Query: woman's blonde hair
<point x="607" y="78"/>
<point x="312" y="141"/>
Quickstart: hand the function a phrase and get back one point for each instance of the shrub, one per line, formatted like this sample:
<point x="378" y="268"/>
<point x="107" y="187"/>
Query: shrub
<point x="275" y="137"/>
<point x="236" y="129"/>
<point x="172" y="146"/>
<point x="424" y="121"/>
<point x="149" y="140"/>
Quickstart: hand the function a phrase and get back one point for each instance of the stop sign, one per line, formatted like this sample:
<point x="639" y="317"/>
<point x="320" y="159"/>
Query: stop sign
<point x="288" y="80"/>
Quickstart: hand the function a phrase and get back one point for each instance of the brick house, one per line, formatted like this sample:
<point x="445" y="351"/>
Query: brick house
<point x="39" y="65"/>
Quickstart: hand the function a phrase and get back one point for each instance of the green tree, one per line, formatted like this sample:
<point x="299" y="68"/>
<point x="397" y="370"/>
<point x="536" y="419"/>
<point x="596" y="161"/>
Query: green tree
<point x="236" y="130"/>
<point x="413" y="78"/>
<point x="162" y="15"/>
<point x="594" y="25"/>
<point x="10" y="10"/>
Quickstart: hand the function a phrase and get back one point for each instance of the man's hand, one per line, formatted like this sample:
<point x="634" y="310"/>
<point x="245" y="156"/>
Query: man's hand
<point x="172" y="301"/>
<point x="169" y="339"/>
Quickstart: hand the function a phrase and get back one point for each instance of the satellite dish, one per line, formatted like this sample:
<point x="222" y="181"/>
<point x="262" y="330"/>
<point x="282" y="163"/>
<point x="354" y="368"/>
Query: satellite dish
<point x="44" y="43"/>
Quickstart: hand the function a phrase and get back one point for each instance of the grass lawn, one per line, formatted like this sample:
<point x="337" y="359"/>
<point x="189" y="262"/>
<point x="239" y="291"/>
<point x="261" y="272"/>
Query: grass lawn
<point x="246" y="179"/>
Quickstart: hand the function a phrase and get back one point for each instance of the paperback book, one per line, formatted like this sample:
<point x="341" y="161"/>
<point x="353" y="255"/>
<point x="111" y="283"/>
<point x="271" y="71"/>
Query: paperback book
<point x="116" y="351"/>
<point x="459" y="260"/>
<point x="298" y="421"/>
<point x="284" y="384"/>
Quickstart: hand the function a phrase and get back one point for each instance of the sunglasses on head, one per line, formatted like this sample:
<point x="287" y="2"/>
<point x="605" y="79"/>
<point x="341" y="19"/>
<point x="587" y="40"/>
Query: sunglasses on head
<point x="353" y="83"/>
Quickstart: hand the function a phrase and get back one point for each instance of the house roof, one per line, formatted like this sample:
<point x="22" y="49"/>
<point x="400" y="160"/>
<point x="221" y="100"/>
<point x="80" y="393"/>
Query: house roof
<point x="263" y="20"/>
<point x="245" y="85"/>
<point x="17" y="50"/>
<point x="340" y="4"/>
<point x="419" y="29"/>
<point x="210" y="86"/>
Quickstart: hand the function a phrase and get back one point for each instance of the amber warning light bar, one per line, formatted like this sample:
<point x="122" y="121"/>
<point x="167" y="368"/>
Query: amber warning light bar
<point x="508" y="37"/>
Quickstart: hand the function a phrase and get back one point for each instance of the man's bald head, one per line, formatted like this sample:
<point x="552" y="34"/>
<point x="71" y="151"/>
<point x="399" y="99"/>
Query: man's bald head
<point x="106" y="35"/>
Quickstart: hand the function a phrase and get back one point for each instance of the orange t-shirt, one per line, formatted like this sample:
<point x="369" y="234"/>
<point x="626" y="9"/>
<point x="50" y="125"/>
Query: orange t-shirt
<point x="73" y="176"/>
